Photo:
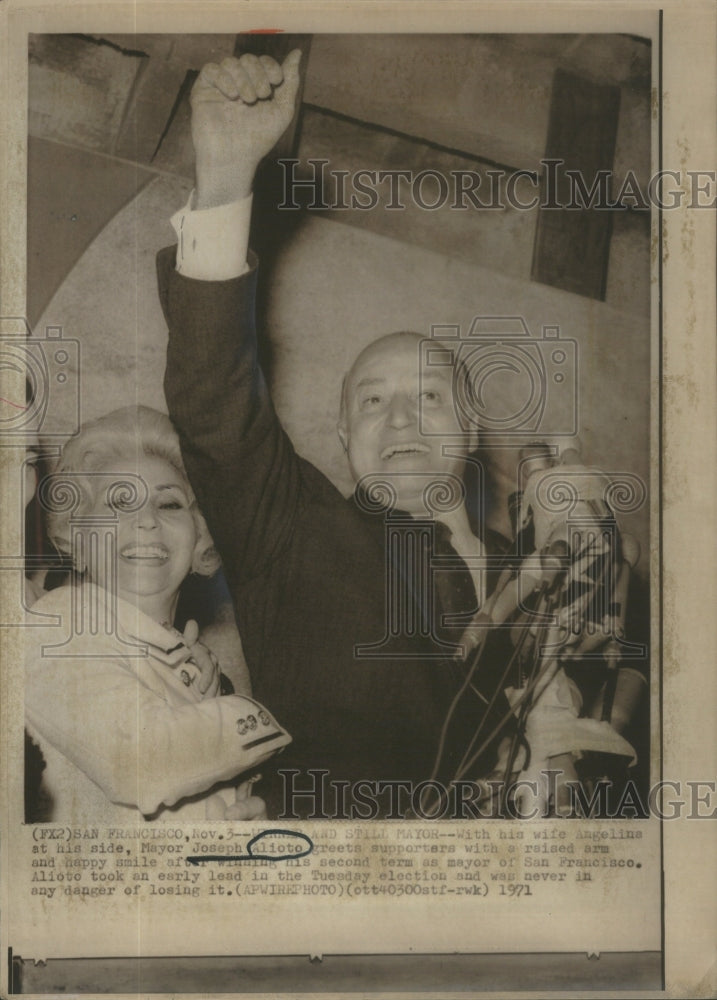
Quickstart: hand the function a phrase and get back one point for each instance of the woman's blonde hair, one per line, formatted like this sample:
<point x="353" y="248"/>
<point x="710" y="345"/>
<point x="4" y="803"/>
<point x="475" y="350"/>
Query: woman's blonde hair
<point x="123" y="434"/>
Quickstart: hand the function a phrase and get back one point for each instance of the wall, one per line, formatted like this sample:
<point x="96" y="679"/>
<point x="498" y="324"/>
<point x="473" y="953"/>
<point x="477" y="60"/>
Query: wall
<point x="338" y="279"/>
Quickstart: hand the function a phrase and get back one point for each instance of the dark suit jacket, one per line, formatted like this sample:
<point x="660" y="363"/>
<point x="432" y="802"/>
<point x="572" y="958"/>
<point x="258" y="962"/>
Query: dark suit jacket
<point x="306" y="567"/>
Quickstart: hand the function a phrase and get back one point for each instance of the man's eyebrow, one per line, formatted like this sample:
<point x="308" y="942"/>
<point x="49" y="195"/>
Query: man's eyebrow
<point x="377" y="380"/>
<point x="169" y="486"/>
<point x="433" y="374"/>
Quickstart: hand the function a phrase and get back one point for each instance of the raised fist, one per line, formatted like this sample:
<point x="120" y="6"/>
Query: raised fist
<point x="240" y="108"/>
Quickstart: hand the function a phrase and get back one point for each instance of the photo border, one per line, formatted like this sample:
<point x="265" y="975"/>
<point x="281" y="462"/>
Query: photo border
<point x="673" y="965"/>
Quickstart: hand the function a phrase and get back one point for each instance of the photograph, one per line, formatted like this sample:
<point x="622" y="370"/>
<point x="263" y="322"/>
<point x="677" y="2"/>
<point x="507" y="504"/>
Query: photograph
<point x="333" y="428"/>
<point x="415" y="422"/>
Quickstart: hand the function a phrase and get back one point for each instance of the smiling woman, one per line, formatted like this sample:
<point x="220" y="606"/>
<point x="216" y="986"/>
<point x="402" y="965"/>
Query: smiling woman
<point x="124" y="707"/>
<point x="155" y="543"/>
<point x="127" y="466"/>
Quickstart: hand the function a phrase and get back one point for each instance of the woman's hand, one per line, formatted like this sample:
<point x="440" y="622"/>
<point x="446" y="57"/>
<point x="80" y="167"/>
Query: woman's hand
<point x="207" y="663"/>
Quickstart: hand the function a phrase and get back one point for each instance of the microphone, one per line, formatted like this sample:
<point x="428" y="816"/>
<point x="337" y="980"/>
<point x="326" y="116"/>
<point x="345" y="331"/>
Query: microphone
<point x="543" y="573"/>
<point x="555" y="562"/>
<point x="612" y="625"/>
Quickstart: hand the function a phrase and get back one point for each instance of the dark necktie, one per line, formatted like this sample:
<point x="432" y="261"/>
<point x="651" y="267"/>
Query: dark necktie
<point x="458" y="603"/>
<point x="454" y="586"/>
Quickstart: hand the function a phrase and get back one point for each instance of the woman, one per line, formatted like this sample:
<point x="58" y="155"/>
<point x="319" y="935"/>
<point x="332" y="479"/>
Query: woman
<point x="124" y="708"/>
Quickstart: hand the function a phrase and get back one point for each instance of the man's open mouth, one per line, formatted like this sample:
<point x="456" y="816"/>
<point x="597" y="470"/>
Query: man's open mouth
<point x="407" y="448"/>
<point x="147" y="552"/>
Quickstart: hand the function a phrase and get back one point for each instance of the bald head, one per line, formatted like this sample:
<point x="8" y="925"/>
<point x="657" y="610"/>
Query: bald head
<point x="399" y="340"/>
<point x="398" y="416"/>
<point x="387" y="348"/>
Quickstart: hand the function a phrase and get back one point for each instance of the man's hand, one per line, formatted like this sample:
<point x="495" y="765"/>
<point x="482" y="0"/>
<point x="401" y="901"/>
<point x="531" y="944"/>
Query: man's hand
<point x="247" y="806"/>
<point x="244" y="807"/>
<point x="240" y="108"/>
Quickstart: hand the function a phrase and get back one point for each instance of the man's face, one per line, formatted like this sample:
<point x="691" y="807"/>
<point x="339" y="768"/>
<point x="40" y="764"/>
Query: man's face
<point x="155" y="545"/>
<point x="398" y="419"/>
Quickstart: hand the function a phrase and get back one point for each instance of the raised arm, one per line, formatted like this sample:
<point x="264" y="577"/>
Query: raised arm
<point x="241" y="464"/>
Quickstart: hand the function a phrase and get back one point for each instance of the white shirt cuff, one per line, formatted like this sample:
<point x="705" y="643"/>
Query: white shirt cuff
<point x="212" y="243"/>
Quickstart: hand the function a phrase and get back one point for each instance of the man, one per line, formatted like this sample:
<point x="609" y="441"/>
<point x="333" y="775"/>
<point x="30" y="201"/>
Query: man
<point x="353" y="636"/>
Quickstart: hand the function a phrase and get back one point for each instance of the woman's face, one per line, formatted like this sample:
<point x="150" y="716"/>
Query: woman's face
<point x="155" y="544"/>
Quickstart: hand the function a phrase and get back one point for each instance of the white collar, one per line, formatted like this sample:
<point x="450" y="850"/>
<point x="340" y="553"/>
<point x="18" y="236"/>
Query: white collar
<point x="134" y="626"/>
